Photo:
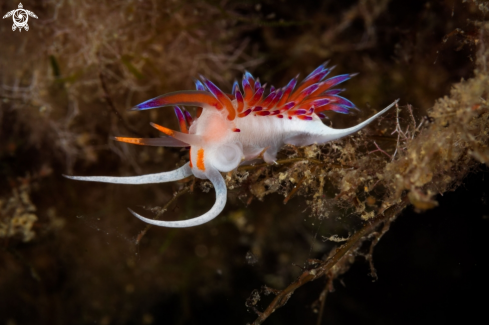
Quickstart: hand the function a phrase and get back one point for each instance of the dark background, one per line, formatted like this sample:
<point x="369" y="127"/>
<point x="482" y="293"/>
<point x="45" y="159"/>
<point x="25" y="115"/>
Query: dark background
<point x="83" y="267"/>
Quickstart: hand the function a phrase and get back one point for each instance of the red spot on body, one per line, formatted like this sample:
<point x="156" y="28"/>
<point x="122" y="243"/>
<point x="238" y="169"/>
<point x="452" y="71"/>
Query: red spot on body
<point x="245" y="113"/>
<point x="264" y="113"/>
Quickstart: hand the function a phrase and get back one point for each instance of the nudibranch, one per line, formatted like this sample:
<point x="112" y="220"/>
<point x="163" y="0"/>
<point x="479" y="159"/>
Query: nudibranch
<point x="232" y="129"/>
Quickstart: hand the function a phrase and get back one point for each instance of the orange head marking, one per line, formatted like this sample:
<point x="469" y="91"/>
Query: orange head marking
<point x="200" y="160"/>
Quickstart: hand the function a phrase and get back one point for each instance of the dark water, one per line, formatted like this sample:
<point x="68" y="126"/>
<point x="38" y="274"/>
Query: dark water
<point x="83" y="266"/>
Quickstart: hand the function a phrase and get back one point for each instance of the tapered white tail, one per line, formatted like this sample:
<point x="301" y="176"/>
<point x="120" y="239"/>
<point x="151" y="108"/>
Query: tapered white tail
<point x="320" y="133"/>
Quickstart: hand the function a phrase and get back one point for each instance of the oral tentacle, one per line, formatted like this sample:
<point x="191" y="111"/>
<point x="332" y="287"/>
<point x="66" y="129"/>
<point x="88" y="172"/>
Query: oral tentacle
<point x="175" y="175"/>
<point x="221" y="196"/>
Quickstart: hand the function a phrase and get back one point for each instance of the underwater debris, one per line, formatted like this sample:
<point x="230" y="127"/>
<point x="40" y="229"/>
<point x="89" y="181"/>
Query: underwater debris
<point x="17" y="214"/>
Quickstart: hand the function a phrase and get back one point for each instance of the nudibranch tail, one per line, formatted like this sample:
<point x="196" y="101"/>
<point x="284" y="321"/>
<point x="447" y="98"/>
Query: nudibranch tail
<point x="326" y="134"/>
<point x="221" y="196"/>
<point x="340" y="133"/>
<point x="175" y="175"/>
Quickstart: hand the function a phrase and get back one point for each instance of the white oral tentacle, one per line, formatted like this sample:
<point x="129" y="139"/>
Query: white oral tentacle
<point x="174" y="175"/>
<point x="221" y="196"/>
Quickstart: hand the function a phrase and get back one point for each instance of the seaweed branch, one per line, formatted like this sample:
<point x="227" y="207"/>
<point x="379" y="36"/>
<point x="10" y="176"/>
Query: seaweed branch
<point x="112" y="108"/>
<point x="32" y="270"/>
<point x="294" y="160"/>
<point x="330" y="266"/>
<point x="322" y="298"/>
<point x="377" y="236"/>
<point x="296" y="188"/>
<point x="162" y="211"/>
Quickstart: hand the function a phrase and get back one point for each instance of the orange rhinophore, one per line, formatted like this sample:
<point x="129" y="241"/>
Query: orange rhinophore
<point x="184" y="98"/>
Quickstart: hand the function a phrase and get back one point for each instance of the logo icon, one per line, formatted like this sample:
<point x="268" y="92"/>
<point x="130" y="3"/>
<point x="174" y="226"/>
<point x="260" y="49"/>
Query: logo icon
<point x="20" y="17"/>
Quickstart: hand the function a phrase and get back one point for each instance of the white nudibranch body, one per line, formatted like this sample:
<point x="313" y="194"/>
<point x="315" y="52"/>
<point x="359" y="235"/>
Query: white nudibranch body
<point x="231" y="129"/>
